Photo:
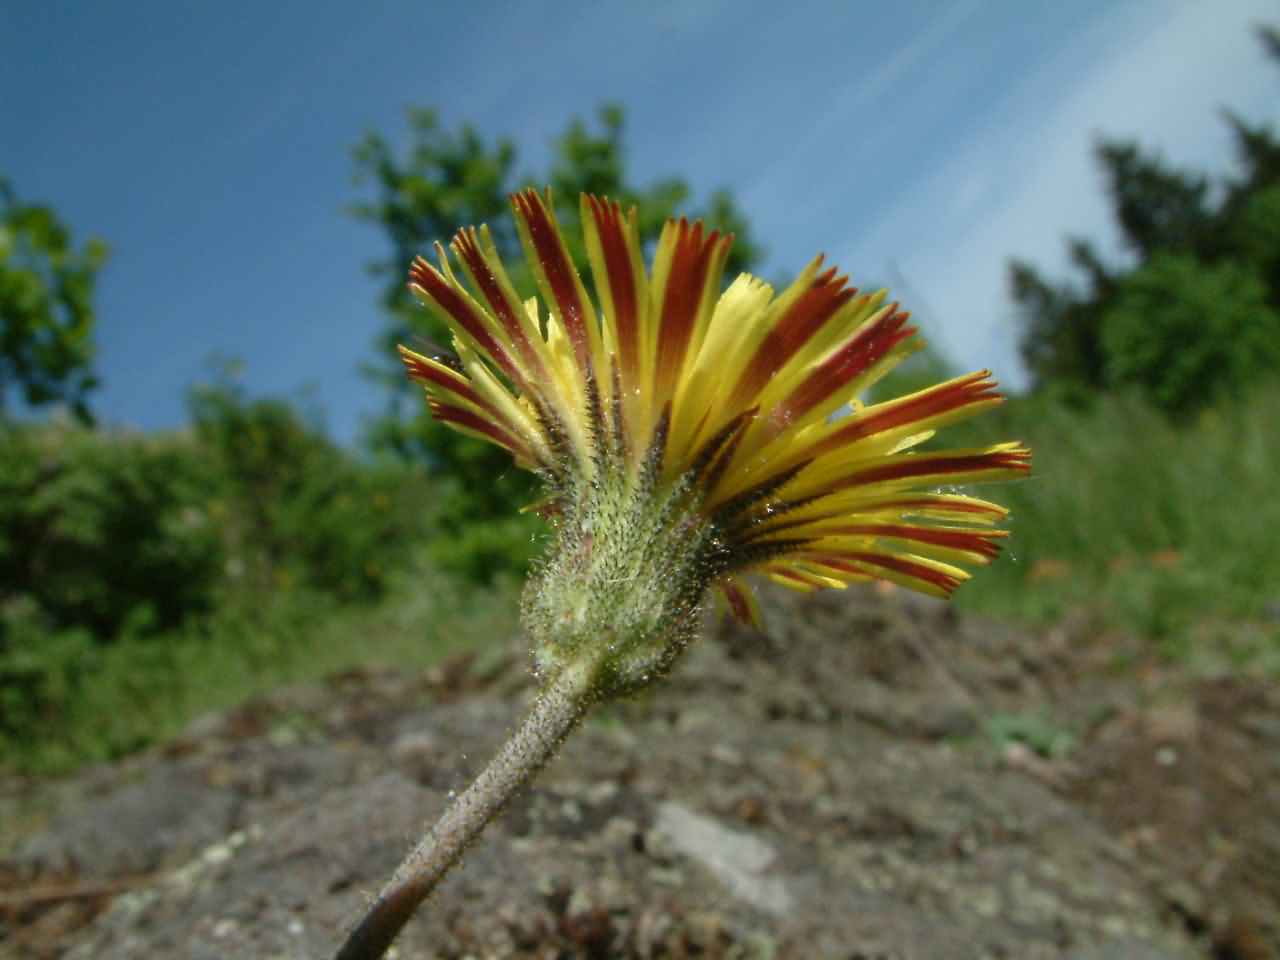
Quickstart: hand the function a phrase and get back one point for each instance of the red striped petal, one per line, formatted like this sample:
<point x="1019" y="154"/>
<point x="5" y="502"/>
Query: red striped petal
<point x="446" y="380"/>
<point x="973" y="541"/>
<point x="447" y="413"/>
<point x="804" y="318"/>
<point x="929" y="465"/>
<point x="487" y="282"/>
<point x="943" y="398"/>
<point x="741" y="603"/>
<point x="855" y="357"/>
<point x="558" y="270"/>
<point x="954" y="505"/>
<point x="682" y="299"/>
<point x="798" y="580"/>
<point x="944" y="581"/>
<point x="437" y="287"/>
<point x="624" y="287"/>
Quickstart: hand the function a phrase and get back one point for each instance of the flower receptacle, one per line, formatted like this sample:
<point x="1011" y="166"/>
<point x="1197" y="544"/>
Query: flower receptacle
<point x="623" y="585"/>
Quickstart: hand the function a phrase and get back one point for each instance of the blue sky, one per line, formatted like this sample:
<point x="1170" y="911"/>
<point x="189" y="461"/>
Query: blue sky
<point x="916" y="143"/>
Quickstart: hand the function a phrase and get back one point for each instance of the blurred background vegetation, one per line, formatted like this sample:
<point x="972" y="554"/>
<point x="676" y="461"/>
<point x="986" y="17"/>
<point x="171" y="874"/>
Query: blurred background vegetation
<point x="144" y="578"/>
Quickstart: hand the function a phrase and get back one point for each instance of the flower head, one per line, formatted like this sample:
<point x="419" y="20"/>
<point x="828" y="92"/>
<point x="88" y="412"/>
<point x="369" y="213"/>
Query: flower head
<point x="690" y="435"/>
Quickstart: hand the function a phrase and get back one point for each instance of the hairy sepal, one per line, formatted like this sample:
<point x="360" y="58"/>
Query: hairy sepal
<point x="627" y="574"/>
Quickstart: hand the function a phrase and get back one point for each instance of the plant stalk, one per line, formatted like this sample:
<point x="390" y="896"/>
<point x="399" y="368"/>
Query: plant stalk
<point x="557" y="709"/>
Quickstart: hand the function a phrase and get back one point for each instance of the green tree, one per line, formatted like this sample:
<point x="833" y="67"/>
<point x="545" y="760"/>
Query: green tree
<point x="46" y="308"/>
<point x="1188" y="334"/>
<point x="1218" y="252"/>
<point x="445" y="179"/>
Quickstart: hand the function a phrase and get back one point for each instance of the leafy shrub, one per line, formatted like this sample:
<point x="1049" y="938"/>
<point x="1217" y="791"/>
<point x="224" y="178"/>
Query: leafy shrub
<point x="116" y="547"/>
<point x="296" y="511"/>
<point x="1189" y="334"/>
<point x="482" y="551"/>
<point x="104" y="532"/>
<point x="102" y="537"/>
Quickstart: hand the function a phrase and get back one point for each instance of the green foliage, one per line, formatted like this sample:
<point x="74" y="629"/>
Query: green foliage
<point x="1156" y="208"/>
<point x="1187" y="334"/>
<point x="1219" y="251"/>
<point x="119" y="533"/>
<point x="1257" y="232"/>
<point x="486" y="548"/>
<point x="46" y="307"/>
<point x="121" y="554"/>
<point x="444" y="180"/>
<point x="1160" y="527"/>
<point x="103" y="538"/>
<point x="294" y="510"/>
<point x="1061" y="327"/>
<point x="103" y="532"/>
<point x="1037" y="732"/>
<point x="83" y="701"/>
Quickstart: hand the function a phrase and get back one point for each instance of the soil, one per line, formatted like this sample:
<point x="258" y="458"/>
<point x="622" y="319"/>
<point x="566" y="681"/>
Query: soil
<point x="874" y="777"/>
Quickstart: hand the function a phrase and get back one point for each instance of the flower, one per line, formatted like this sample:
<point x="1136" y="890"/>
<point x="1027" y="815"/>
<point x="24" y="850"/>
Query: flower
<point x="690" y="436"/>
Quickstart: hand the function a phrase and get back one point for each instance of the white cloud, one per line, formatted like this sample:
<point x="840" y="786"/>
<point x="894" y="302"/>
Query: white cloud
<point x="1028" y="178"/>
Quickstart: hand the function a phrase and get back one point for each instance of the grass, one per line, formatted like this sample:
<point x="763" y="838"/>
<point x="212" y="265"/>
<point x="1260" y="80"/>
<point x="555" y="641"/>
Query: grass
<point x="1037" y="732"/>
<point x="1164" y="529"/>
<point x="141" y="691"/>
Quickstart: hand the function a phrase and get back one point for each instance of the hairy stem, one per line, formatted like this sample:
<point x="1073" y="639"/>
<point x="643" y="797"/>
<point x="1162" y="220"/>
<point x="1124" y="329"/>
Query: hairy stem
<point x="556" y="711"/>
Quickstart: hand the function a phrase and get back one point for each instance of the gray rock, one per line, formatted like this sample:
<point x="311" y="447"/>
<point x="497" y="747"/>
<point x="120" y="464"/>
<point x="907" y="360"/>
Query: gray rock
<point x="785" y="797"/>
<point x="739" y="860"/>
<point x="162" y="818"/>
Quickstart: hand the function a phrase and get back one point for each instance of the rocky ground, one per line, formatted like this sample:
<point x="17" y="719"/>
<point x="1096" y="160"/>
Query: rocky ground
<point x="873" y="778"/>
